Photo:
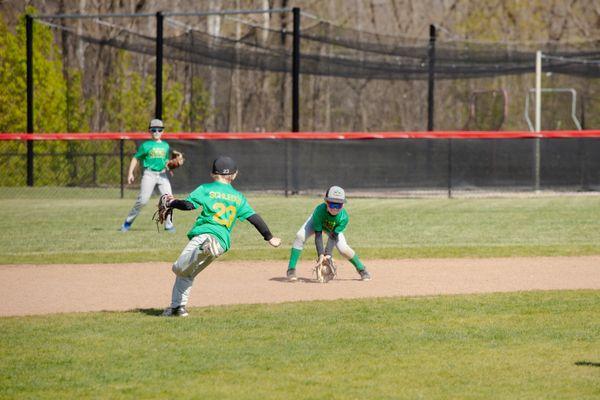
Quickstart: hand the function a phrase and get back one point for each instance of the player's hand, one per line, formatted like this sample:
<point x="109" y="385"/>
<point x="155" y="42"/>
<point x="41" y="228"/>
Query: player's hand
<point x="130" y="179"/>
<point x="275" y="241"/>
<point x="320" y="259"/>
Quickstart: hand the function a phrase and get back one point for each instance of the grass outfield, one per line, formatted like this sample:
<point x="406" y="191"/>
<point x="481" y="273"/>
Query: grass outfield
<point x="536" y="345"/>
<point x="84" y="230"/>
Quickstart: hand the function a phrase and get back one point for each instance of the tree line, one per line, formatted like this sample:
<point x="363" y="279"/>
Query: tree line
<point x="61" y="104"/>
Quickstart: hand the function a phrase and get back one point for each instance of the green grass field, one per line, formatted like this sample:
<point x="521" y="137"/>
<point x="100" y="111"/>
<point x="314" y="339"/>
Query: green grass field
<point x="530" y="345"/>
<point x="83" y="230"/>
<point x="538" y="345"/>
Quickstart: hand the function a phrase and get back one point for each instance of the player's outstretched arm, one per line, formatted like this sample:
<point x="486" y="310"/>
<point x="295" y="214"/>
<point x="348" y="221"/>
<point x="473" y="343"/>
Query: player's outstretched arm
<point x="180" y="204"/>
<point x="319" y="244"/>
<point x="331" y="241"/>
<point x="263" y="229"/>
<point x="165" y="207"/>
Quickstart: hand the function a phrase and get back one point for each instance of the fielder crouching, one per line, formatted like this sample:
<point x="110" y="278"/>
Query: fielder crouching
<point x="328" y="219"/>
<point x="222" y="206"/>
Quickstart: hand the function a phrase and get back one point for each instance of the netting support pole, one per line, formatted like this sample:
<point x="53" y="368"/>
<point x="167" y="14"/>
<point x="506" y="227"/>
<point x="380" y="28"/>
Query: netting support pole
<point x="296" y="72"/>
<point x="538" y="117"/>
<point x="29" y="50"/>
<point x="159" y="65"/>
<point x="290" y="147"/>
<point x="431" y="78"/>
<point x="430" y="97"/>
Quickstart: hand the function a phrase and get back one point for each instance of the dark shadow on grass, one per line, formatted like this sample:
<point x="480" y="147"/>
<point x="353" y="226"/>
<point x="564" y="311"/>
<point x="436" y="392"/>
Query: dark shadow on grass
<point x="153" y="312"/>
<point x="587" y="364"/>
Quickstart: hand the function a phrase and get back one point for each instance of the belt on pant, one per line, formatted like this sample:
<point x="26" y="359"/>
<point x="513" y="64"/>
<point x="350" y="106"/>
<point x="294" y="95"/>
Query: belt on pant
<point x="158" y="172"/>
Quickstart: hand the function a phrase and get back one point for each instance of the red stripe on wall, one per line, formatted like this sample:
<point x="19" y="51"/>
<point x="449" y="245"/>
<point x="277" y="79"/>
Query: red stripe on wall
<point x="304" y="135"/>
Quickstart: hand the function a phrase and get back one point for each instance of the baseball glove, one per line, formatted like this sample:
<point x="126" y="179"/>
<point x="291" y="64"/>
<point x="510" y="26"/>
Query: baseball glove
<point x="164" y="211"/>
<point x="176" y="160"/>
<point x="326" y="270"/>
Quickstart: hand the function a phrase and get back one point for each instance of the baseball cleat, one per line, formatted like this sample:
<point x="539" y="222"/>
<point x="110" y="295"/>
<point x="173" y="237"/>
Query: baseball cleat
<point x="175" y="312"/>
<point x="125" y="227"/>
<point x="171" y="229"/>
<point x="291" y="275"/>
<point x="364" y="275"/>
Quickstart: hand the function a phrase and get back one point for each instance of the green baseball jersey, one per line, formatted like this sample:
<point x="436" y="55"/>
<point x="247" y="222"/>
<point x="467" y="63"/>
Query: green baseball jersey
<point x="323" y="221"/>
<point x="153" y="155"/>
<point x="222" y="206"/>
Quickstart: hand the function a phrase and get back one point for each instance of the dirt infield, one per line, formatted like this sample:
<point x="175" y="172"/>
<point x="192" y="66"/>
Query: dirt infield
<point x="46" y="289"/>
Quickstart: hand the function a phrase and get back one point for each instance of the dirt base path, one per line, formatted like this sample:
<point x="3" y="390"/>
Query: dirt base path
<point x="46" y="289"/>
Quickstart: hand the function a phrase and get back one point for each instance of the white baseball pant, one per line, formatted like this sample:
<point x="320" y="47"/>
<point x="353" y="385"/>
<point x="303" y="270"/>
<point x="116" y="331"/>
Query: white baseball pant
<point x="307" y="230"/>
<point x="150" y="179"/>
<point x="200" y="251"/>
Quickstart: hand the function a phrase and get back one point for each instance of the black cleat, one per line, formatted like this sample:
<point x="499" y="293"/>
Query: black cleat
<point x="175" y="312"/>
<point x="291" y="275"/>
<point x="364" y="275"/>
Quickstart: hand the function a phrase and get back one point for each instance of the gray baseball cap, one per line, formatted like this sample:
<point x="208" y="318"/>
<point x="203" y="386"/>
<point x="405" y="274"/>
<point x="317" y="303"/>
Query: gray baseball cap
<point x="335" y="194"/>
<point x="156" y="123"/>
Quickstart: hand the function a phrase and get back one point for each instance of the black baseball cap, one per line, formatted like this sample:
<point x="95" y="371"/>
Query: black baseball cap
<point x="224" y="165"/>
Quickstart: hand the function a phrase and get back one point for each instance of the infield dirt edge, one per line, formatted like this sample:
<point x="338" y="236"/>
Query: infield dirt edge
<point x="48" y="289"/>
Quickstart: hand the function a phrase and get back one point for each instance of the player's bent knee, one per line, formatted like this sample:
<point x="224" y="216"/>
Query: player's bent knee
<point x="178" y="269"/>
<point x="347" y="252"/>
<point x="191" y="270"/>
<point x="299" y="242"/>
<point x="185" y="263"/>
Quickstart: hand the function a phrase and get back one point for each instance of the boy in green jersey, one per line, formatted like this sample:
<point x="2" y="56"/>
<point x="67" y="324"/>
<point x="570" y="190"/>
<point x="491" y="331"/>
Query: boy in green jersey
<point x="222" y="206"/>
<point x="153" y="156"/>
<point x="332" y="218"/>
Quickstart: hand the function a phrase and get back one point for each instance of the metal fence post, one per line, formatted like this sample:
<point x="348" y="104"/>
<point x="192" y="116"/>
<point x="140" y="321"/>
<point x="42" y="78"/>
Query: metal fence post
<point x="121" y="166"/>
<point x="291" y="172"/>
<point x="431" y="77"/>
<point x="430" y="97"/>
<point x="296" y="97"/>
<point x="537" y="152"/>
<point x="296" y="72"/>
<point x="159" y="65"/>
<point x="29" y="50"/>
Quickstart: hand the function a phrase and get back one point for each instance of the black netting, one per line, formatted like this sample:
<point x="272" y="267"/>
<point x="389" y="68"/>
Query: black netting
<point x="403" y="164"/>
<point x="377" y="165"/>
<point x="226" y="74"/>
<point x="342" y="52"/>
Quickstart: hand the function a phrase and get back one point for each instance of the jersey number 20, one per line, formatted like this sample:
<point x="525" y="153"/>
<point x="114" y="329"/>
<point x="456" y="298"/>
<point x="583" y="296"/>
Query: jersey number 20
<point x="225" y="215"/>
